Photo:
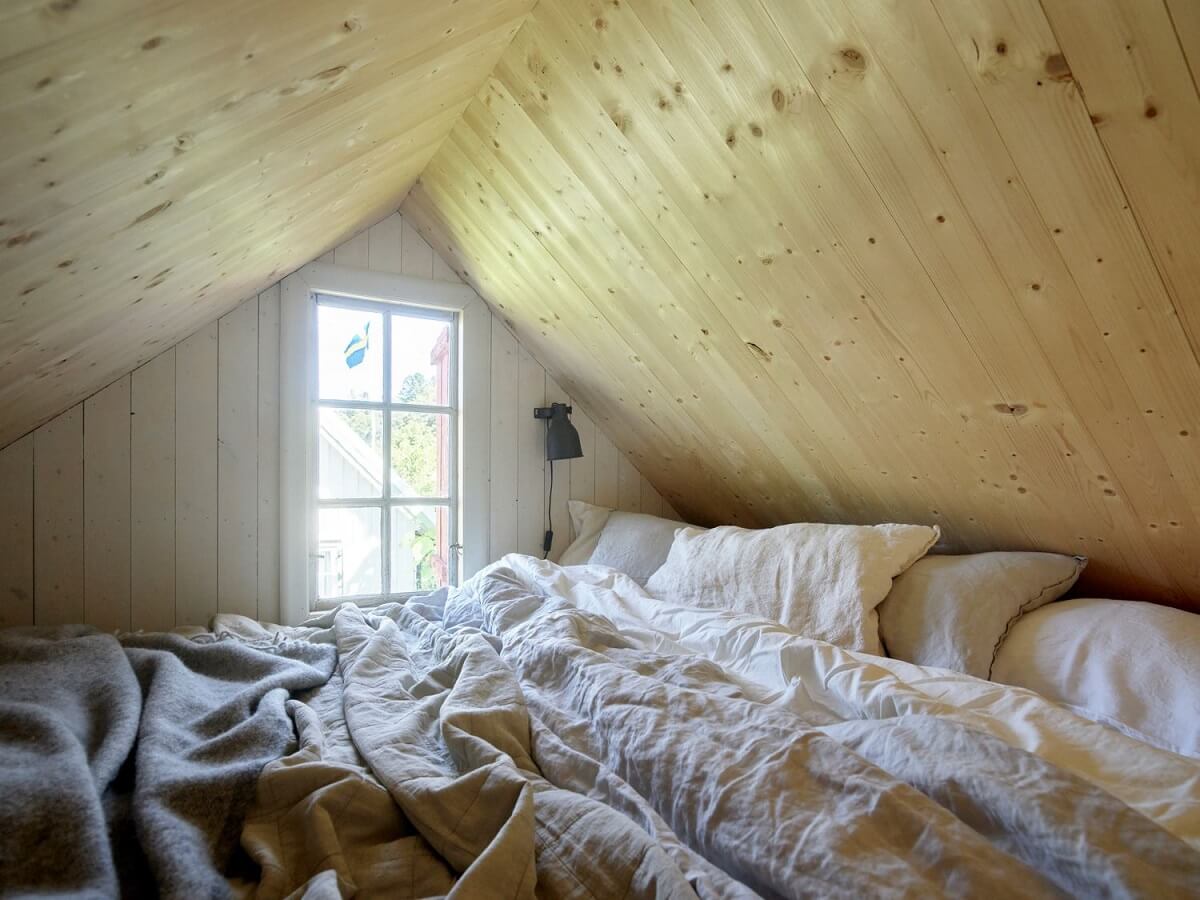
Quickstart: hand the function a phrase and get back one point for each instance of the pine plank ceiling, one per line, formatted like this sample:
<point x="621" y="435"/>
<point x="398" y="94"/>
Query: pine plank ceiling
<point x="161" y="160"/>
<point x="850" y="260"/>
<point x="847" y="260"/>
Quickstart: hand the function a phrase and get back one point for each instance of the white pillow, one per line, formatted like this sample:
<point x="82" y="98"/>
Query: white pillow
<point x="1132" y="665"/>
<point x="634" y="543"/>
<point x="820" y="581"/>
<point x="587" y="521"/>
<point x="953" y="612"/>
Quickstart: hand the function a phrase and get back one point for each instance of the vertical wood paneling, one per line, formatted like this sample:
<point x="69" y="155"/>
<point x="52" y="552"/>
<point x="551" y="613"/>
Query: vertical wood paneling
<point x="159" y="498"/>
<point x="531" y="454"/>
<point x="152" y="494"/>
<point x="607" y="463"/>
<point x="418" y="255"/>
<point x="196" y="477"/>
<point x="629" y="485"/>
<point x="557" y="501"/>
<point x="651" y="502"/>
<point x="353" y="252"/>
<point x="475" y="453"/>
<point x="106" y="498"/>
<point x="58" y="519"/>
<point x="443" y="272"/>
<point x="268" y="454"/>
<point x="504" y="442"/>
<point x="16" y="533"/>
<point x="583" y="470"/>
<point x="237" y="461"/>
<point x="385" y="245"/>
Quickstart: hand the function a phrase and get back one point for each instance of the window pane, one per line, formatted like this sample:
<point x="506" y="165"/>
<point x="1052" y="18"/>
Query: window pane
<point x="349" y="354"/>
<point x="420" y="361"/>
<point x="349" y="542"/>
<point x="420" y="455"/>
<point x="350" y="457"/>
<point x="420" y="547"/>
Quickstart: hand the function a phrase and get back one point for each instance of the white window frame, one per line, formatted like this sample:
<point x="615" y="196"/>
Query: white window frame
<point x="298" y="550"/>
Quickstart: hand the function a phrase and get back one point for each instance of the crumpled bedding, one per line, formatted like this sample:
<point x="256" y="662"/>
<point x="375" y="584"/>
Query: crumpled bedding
<point x="126" y="765"/>
<point x="556" y="732"/>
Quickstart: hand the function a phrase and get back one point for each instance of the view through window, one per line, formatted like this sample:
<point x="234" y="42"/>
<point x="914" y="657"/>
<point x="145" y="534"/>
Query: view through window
<point x="386" y="449"/>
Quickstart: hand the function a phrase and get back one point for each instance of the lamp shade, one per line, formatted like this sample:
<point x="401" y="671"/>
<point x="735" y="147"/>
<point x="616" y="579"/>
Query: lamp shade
<point x="562" y="440"/>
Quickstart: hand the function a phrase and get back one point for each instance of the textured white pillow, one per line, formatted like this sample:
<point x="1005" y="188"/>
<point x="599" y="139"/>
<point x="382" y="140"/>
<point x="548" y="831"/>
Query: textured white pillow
<point x="954" y="611"/>
<point x="633" y="543"/>
<point x="587" y="521"/>
<point x="820" y="581"/>
<point x="1132" y="665"/>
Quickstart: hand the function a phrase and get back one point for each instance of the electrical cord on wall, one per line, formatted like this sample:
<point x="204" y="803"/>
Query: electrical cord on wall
<point x="548" y="540"/>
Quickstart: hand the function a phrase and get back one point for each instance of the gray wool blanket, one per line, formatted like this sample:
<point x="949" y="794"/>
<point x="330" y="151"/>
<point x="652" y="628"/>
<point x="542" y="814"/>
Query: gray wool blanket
<point x="126" y="766"/>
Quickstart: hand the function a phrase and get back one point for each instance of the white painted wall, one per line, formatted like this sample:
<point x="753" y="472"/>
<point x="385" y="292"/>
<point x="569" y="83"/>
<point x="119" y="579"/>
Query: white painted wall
<point x="155" y="502"/>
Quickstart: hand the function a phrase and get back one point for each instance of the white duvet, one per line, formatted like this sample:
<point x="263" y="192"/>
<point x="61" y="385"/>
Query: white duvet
<point x="824" y="683"/>
<point x="556" y="732"/>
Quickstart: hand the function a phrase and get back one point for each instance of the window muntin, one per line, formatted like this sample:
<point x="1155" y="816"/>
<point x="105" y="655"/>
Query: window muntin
<point x="398" y="415"/>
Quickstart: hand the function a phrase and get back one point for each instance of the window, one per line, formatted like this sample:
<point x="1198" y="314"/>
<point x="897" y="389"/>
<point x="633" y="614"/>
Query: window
<point x="386" y="433"/>
<point x="384" y="417"/>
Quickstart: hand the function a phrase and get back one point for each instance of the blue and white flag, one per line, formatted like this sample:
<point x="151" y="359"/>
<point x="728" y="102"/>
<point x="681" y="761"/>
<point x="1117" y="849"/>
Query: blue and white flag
<point x="356" y="350"/>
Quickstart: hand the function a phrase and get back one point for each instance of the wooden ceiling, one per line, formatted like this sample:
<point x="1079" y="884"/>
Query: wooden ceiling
<point x="852" y="260"/>
<point x="162" y="160"/>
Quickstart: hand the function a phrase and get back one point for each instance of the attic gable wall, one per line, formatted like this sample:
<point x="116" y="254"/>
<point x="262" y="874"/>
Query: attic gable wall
<point x="154" y="502"/>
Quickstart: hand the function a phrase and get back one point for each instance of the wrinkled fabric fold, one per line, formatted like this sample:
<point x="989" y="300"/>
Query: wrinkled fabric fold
<point x="126" y="766"/>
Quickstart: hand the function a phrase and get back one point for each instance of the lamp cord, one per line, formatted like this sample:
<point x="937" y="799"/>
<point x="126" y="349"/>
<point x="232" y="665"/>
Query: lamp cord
<point x="549" y="499"/>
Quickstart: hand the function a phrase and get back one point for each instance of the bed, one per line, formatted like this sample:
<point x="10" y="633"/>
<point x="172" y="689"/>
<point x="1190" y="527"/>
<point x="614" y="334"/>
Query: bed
<point x="552" y="731"/>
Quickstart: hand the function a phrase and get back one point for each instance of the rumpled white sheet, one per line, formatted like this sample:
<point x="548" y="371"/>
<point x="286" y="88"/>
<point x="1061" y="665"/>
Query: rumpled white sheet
<point x="824" y="683"/>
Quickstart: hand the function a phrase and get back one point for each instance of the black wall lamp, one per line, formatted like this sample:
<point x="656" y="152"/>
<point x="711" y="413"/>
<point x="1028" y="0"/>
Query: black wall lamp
<point x="562" y="442"/>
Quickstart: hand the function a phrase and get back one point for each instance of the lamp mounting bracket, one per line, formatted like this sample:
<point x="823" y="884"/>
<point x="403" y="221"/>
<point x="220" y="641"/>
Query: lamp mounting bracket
<point x="547" y="412"/>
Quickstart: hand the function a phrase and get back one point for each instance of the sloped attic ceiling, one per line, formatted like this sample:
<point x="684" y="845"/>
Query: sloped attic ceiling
<point x="161" y="161"/>
<point x="849" y="260"/>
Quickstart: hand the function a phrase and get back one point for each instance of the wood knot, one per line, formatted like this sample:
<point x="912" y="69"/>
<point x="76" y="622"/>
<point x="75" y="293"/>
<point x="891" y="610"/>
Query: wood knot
<point x="621" y="119"/>
<point x="534" y="63"/>
<point x="151" y="212"/>
<point x="151" y="43"/>
<point x="1011" y="409"/>
<point x="599" y="24"/>
<point x="730" y="137"/>
<point x="1151" y="111"/>
<point x="756" y="129"/>
<point x="330" y="73"/>
<point x="853" y="59"/>
<point x="23" y="238"/>
<point x="759" y="351"/>
<point x="779" y="99"/>
<point x="1001" y="48"/>
<point x="1057" y="68"/>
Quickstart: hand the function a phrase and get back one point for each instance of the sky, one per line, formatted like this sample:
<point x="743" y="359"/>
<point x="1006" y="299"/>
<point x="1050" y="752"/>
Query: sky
<point x="412" y="340"/>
